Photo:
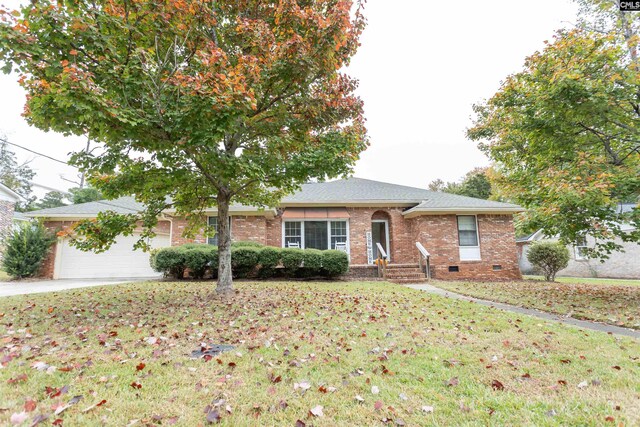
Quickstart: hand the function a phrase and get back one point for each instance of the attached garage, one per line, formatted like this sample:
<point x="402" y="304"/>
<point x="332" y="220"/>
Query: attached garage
<point x="120" y="261"/>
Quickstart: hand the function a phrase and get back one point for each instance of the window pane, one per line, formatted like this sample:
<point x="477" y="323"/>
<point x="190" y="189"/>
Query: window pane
<point x="338" y="233"/>
<point x="315" y="235"/>
<point x="292" y="234"/>
<point x="213" y="222"/>
<point x="467" y="222"/>
<point x="467" y="232"/>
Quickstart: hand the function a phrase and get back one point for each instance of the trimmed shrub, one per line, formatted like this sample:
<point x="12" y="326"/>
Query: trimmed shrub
<point x="171" y="261"/>
<point x="25" y="249"/>
<point x="246" y="244"/>
<point x="311" y="263"/>
<point x="244" y="260"/>
<point x="197" y="259"/>
<point x="548" y="258"/>
<point x="334" y="263"/>
<point x="292" y="260"/>
<point x="268" y="259"/>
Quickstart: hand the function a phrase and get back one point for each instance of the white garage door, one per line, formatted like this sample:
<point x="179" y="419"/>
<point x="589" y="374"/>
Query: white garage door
<point x="120" y="261"/>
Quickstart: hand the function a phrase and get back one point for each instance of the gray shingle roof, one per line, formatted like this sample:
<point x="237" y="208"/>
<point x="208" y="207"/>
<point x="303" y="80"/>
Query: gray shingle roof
<point x="123" y="205"/>
<point x="343" y="191"/>
<point x="358" y="190"/>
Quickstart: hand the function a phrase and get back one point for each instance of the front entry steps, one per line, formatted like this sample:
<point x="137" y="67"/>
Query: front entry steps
<point x="404" y="273"/>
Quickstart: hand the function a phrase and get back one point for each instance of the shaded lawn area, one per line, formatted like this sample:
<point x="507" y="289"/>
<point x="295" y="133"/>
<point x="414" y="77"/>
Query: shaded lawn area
<point x="366" y="353"/>
<point x="4" y="276"/>
<point x="611" y="303"/>
<point x="591" y="280"/>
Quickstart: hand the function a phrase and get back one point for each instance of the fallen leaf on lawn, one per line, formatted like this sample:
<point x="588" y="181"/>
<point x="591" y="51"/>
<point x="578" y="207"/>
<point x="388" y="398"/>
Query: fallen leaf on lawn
<point x="300" y="423"/>
<point x="359" y="398"/>
<point x="617" y="368"/>
<point x="377" y="405"/>
<point x="403" y="396"/>
<point x="102" y="402"/>
<point x="30" y="405"/>
<point x="452" y="382"/>
<point x="136" y="385"/>
<point x="40" y="366"/>
<point x="583" y="384"/>
<point x="19" y="378"/>
<point x="317" y="411"/>
<point x="140" y="366"/>
<point x="303" y="385"/>
<point x="427" y="409"/>
<point x="213" y="416"/>
<point x="18" y="417"/>
<point x="375" y="390"/>
<point x="497" y="385"/>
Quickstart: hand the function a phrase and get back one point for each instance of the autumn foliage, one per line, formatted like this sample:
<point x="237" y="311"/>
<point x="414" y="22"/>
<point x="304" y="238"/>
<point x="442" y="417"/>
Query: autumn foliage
<point x="193" y="104"/>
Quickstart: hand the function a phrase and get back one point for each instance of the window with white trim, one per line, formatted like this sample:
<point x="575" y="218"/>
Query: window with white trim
<point x="581" y="250"/>
<point x="315" y="234"/>
<point x="468" y="240"/>
<point x="338" y="234"/>
<point x="293" y="234"/>
<point x="213" y="222"/>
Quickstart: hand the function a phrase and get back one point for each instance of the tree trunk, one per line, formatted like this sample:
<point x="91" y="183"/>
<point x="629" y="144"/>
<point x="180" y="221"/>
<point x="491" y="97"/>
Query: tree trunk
<point x="225" y="281"/>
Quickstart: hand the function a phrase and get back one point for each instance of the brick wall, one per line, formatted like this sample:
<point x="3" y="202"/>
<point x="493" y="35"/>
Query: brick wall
<point x="439" y="235"/>
<point x="399" y="233"/>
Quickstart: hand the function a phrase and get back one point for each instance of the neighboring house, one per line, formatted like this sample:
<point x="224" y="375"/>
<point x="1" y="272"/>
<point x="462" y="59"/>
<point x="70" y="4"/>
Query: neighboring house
<point x="619" y="265"/>
<point x="467" y="238"/>
<point x="8" y="200"/>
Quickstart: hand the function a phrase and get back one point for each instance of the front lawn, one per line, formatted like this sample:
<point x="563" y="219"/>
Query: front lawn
<point x="4" y="276"/>
<point x="591" y="280"/>
<point x="321" y="354"/>
<point x="615" y="303"/>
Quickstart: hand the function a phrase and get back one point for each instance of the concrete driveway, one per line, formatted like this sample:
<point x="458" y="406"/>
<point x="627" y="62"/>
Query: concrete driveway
<point x="40" y="286"/>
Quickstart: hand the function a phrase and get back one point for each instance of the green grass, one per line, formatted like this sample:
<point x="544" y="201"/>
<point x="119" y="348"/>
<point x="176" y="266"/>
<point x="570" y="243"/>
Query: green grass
<point x="613" y="302"/>
<point x="591" y="280"/>
<point x="340" y="338"/>
<point x="4" y="276"/>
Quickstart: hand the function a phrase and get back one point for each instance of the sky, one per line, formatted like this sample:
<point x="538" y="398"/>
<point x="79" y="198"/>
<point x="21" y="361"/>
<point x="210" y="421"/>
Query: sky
<point x="422" y="65"/>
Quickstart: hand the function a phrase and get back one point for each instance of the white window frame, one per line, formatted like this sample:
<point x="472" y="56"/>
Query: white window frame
<point x="208" y="224"/>
<point x="577" y="255"/>
<point x="388" y="232"/>
<point x="469" y="253"/>
<point x="327" y="220"/>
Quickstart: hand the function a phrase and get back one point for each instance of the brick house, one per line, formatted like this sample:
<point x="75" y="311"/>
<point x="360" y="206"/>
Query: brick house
<point x="8" y="200"/>
<point x="466" y="238"/>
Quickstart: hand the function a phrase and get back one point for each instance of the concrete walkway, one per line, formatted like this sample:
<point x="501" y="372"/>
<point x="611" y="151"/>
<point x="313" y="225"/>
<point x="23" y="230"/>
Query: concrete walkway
<point x="531" y="312"/>
<point x="40" y="286"/>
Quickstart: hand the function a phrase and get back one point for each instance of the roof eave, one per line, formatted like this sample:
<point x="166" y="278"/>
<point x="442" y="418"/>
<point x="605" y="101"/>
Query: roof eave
<point x="411" y="213"/>
<point x="350" y="203"/>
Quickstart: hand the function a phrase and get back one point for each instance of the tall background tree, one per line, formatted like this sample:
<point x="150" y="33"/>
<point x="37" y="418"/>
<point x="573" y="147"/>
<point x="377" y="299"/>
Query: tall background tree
<point x="17" y="176"/>
<point x="193" y="104"/>
<point x="475" y="183"/>
<point x="564" y="134"/>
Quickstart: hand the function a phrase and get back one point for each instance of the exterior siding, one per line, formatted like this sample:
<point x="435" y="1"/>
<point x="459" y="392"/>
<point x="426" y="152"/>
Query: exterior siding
<point x="7" y="209"/>
<point x="620" y="265"/>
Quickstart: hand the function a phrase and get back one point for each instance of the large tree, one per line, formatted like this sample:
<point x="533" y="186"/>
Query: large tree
<point x="475" y="183"/>
<point x="194" y="104"/>
<point x="17" y="176"/>
<point x="564" y="132"/>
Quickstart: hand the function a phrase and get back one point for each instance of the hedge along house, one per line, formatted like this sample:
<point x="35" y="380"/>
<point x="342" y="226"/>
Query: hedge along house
<point x="466" y="238"/>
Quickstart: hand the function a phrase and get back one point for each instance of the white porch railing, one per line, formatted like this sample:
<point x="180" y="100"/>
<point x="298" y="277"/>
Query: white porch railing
<point x="424" y="254"/>
<point x="381" y="261"/>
